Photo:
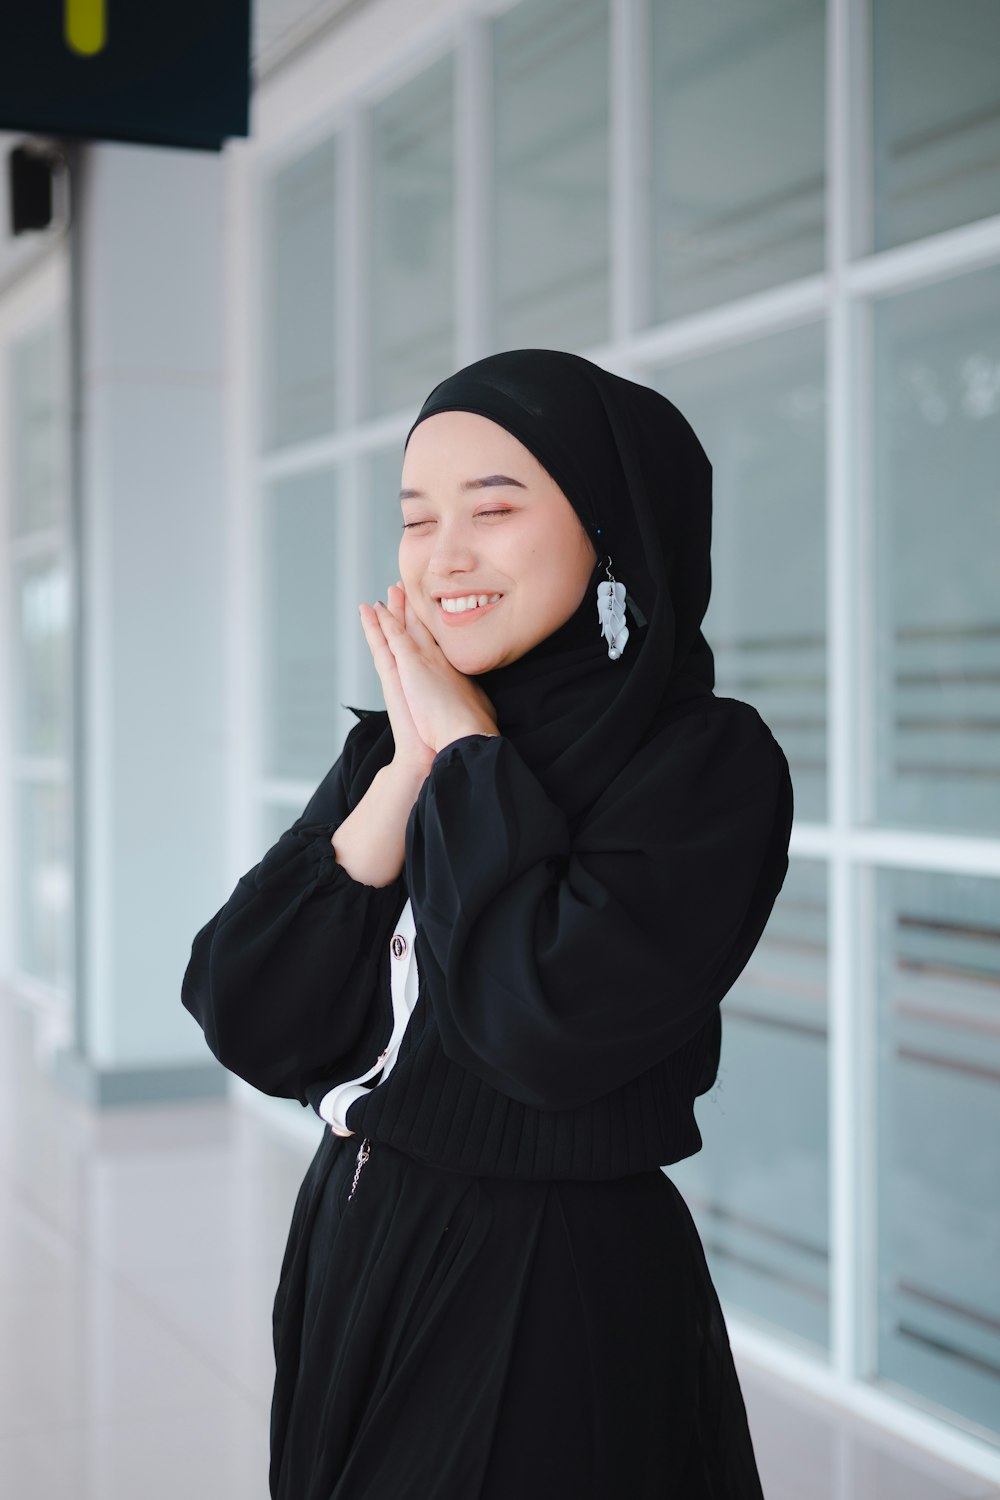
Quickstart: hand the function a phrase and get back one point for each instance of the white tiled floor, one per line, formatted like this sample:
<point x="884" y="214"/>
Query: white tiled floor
<point x="139" y="1252"/>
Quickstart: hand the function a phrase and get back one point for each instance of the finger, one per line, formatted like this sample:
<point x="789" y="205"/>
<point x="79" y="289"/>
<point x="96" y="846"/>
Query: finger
<point x="374" y="635"/>
<point x="385" y="663"/>
<point x="375" y="632"/>
<point x="415" y="625"/>
<point x="397" y="595"/>
<point x="395" y="603"/>
<point x="392" y="630"/>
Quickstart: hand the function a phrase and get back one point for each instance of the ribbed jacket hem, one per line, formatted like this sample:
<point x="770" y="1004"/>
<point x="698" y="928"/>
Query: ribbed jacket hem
<point x="440" y="1113"/>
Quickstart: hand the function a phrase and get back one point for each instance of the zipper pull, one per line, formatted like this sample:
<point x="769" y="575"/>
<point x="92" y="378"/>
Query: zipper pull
<point x="363" y="1154"/>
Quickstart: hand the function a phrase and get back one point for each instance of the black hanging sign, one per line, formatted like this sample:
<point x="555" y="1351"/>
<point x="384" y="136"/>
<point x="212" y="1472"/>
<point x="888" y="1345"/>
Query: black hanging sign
<point x="156" y="72"/>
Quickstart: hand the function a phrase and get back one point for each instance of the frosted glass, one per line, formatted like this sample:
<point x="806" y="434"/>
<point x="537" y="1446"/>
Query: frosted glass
<point x="759" y="411"/>
<point x="43" y="657"/>
<point x="737" y="148"/>
<point x="759" y="1186"/>
<point x="413" y="255"/>
<point x="939" y="1129"/>
<point x="300" y="387"/>
<point x="38" y="428"/>
<point x="936" y="72"/>
<point x="303" y="568"/>
<point x="551" y="231"/>
<point x="937" y="526"/>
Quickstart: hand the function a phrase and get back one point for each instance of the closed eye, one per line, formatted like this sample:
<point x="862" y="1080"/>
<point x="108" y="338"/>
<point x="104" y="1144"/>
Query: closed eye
<point x="505" y="512"/>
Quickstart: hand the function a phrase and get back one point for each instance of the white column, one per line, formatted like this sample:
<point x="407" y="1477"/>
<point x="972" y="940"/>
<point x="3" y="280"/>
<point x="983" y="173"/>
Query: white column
<point x="148" y="265"/>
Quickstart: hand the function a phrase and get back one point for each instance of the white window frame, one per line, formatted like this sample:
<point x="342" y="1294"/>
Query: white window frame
<point x="331" y="89"/>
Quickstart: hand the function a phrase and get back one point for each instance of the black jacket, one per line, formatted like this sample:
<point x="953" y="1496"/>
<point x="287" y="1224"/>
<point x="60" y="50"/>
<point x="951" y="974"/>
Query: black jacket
<point x="568" y="1012"/>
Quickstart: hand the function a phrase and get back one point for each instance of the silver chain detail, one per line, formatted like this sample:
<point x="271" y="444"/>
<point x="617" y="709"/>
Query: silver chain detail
<point x="363" y="1155"/>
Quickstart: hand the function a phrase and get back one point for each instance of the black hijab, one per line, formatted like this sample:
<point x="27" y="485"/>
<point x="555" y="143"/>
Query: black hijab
<point x="639" y="480"/>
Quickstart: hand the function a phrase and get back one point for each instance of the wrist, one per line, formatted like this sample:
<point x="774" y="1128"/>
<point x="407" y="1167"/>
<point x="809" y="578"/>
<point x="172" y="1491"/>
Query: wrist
<point x="459" y="730"/>
<point x="407" y="774"/>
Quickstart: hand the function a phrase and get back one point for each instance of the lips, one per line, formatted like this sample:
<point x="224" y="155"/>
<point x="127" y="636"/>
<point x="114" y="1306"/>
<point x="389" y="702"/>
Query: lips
<point x="466" y="615"/>
<point x="467" y="594"/>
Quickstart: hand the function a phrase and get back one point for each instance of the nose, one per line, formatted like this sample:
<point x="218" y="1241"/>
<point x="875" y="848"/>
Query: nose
<point x="452" y="552"/>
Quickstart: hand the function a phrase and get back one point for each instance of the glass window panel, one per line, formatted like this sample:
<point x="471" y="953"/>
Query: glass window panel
<point x="937" y="526"/>
<point x="44" y="888"/>
<point x="939" y="1125"/>
<point x="300" y="381"/>
<point x="37" y="432"/>
<point x="42" y="659"/>
<point x="551" y="233"/>
<point x="759" y="411"/>
<point x="936" y="106"/>
<point x="758" y="1189"/>
<point x="303" y="722"/>
<point x="413" y="206"/>
<point x="737" y="148"/>
<point x="382" y="479"/>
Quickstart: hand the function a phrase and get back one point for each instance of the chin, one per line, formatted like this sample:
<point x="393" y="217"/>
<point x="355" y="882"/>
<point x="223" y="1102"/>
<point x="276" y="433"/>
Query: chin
<point x="468" y="663"/>
<point x="471" y="663"/>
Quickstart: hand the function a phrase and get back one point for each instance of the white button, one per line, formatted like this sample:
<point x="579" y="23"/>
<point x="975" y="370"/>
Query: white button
<point x="398" y="945"/>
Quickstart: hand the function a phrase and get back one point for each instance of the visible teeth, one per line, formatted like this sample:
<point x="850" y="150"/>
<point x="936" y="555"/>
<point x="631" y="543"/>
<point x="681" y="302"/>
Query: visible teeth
<point x="469" y="601"/>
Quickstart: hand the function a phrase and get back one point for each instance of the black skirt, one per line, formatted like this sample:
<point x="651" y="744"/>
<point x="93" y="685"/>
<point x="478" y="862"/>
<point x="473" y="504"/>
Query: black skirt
<point x="441" y="1336"/>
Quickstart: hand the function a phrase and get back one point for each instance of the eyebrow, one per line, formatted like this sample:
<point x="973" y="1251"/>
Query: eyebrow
<point x="488" y="482"/>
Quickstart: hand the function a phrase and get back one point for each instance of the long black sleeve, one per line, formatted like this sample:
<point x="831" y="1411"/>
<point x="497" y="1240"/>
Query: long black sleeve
<point x="561" y="967"/>
<point x="283" y="979"/>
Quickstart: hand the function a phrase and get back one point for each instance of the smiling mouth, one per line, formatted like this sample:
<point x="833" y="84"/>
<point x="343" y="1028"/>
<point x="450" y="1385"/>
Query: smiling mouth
<point x="455" y="616"/>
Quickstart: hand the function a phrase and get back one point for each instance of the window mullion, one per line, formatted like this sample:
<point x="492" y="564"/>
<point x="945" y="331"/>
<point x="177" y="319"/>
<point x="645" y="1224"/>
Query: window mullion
<point x="474" y="190"/>
<point x="631" y="176"/>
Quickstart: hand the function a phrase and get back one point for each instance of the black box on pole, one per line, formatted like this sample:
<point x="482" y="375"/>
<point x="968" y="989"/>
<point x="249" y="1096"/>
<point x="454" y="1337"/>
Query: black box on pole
<point x="29" y="176"/>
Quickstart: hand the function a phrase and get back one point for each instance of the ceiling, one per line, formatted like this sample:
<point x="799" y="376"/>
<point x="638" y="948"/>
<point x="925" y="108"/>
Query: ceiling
<point x="283" y="28"/>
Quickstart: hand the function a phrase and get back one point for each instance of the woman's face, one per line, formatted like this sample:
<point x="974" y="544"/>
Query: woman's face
<point x="481" y="517"/>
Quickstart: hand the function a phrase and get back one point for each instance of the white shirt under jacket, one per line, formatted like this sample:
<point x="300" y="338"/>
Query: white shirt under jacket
<point x="334" y="1105"/>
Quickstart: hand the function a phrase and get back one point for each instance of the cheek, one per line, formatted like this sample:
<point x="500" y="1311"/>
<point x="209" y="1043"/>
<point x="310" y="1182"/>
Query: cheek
<point x="411" y="568"/>
<point x="548" y="562"/>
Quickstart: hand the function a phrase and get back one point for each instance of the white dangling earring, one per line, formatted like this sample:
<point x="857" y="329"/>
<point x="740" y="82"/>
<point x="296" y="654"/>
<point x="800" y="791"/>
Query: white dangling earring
<point x="611" y="612"/>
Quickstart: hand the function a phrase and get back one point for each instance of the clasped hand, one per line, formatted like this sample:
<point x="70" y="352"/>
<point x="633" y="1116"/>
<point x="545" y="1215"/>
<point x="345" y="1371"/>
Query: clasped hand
<point x="429" y="702"/>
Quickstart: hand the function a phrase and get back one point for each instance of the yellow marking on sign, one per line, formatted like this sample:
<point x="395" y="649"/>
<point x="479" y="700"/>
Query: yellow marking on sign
<point x="85" y="25"/>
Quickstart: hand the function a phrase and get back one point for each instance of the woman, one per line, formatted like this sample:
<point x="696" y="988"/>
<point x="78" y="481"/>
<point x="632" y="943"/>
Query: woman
<point x="490" y="954"/>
